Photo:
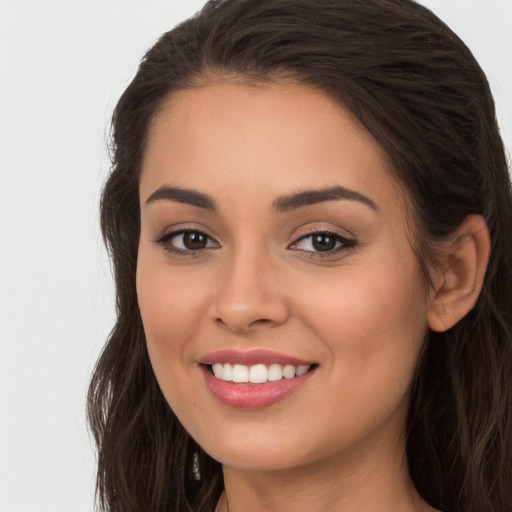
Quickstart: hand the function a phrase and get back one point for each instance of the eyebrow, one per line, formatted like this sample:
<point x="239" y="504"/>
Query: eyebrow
<point x="310" y="197"/>
<point x="182" y="195"/>
<point x="281" y="205"/>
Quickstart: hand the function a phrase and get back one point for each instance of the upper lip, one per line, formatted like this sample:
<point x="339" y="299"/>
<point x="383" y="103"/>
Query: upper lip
<point x="251" y="357"/>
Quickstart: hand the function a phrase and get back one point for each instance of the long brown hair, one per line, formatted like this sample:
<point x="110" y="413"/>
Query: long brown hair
<point x="418" y="90"/>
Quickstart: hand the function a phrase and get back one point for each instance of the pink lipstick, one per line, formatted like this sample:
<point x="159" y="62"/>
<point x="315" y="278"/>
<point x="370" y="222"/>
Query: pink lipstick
<point x="251" y="357"/>
<point x="254" y="379"/>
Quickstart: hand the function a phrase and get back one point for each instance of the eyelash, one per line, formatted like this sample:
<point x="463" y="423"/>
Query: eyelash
<point x="345" y="243"/>
<point x="165" y="240"/>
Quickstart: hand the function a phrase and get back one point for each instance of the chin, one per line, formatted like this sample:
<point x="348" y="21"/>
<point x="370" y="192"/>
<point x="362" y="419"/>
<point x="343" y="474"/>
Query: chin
<point x="262" y="451"/>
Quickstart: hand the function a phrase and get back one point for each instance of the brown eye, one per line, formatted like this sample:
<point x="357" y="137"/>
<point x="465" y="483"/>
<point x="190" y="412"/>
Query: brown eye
<point x="323" y="242"/>
<point x="186" y="241"/>
<point x="194" y="240"/>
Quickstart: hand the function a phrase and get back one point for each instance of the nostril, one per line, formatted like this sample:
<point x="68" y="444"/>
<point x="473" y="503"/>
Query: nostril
<point x="261" y="321"/>
<point x="240" y="325"/>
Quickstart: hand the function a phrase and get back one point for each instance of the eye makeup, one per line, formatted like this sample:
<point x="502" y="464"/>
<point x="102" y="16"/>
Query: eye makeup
<point x="315" y="243"/>
<point x="186" y="242"/>
<point x="321" y="244"/>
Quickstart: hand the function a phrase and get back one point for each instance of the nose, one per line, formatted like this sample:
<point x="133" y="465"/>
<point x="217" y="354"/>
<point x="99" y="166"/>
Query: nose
<point x="249" y="296"/>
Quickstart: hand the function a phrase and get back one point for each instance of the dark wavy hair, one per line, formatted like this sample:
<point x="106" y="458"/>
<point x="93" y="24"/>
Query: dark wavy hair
<point x="419" y="91"/>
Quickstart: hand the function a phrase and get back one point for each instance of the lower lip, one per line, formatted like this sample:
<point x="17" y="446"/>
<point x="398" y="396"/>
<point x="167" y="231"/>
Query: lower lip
<point x="252" y="396"/>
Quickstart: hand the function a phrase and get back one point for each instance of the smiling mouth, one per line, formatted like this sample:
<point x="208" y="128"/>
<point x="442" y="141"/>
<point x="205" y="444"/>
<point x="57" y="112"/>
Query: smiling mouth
<point x="258" y="373"/>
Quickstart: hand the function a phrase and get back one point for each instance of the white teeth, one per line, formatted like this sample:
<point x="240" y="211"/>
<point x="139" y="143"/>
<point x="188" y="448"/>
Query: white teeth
<point x="301" y="370"/>
<point x="227" y="372"/>
<point x="275" y="372"/>
<point x="240" y="373"/>
<point x="289" y="371"/>
<point x="217" y="370"/>
<point x="257" y="373"/>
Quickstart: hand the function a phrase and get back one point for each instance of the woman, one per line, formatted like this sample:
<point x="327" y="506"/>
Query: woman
<point x="309" y="219"/>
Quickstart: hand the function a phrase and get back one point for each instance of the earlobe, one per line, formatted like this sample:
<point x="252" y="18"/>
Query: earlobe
<point x="459" y="281"/>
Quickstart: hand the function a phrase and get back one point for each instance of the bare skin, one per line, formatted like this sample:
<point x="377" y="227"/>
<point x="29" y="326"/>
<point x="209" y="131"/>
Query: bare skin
<point x="307" y="491"/>
<point x="357" y="309"/>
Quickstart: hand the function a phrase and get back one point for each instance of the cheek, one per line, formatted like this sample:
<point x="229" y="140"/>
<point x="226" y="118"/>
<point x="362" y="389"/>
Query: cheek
<point x="373" y="319"/>
<point x="172" y="307"/>
<point x="171" y="310"/>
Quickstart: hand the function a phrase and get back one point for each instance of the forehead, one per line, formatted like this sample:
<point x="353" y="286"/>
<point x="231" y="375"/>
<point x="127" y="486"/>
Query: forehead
<point x="275" y="138"/>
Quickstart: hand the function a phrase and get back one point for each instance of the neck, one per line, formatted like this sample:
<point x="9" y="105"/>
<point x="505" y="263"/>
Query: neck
<point x="351" y="482"/>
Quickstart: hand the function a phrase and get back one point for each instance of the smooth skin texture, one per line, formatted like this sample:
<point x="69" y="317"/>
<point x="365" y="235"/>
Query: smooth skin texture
<point x="256" y="280"/>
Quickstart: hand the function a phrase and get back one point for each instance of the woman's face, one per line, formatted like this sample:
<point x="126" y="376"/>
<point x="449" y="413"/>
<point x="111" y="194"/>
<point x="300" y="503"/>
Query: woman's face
<point x="273" y="241"/>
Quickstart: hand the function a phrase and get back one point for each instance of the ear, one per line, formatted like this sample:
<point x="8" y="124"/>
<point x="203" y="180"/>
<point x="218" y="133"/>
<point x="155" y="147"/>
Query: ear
<point x="459" y="280"/>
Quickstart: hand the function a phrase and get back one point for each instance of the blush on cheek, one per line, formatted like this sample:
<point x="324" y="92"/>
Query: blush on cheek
<point x="171" y="309"/>
<point x="385" y="308"/>
<point x="155" y="285"/>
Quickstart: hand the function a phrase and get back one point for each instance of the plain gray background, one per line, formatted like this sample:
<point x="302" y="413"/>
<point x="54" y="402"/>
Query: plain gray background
<point x="63" y="64"/>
